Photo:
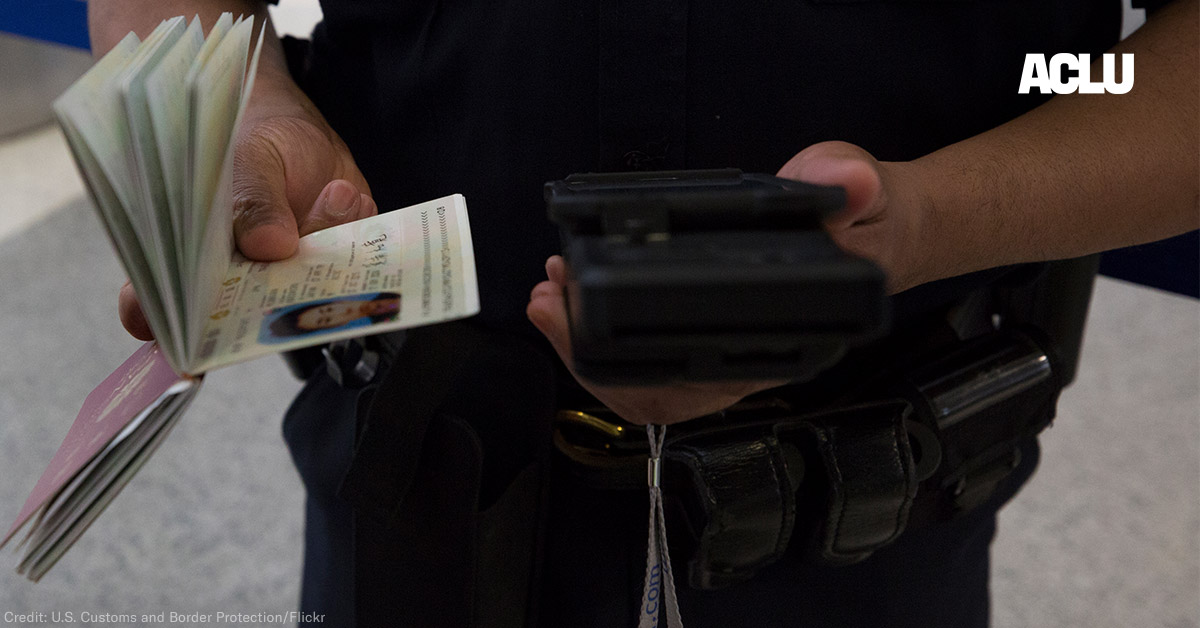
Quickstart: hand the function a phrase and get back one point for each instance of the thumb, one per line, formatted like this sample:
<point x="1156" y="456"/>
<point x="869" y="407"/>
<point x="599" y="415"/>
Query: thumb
<point x="845" y="165"/>
<point x="339" y="202"/>
<point x="264" y="226"/>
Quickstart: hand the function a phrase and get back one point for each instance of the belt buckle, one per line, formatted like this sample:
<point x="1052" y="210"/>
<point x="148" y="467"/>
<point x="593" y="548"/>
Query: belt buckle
<point x="591" y="422"/>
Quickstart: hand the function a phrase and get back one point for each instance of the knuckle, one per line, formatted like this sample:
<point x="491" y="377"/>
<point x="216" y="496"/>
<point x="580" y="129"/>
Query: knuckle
<point x="252" y="207"/>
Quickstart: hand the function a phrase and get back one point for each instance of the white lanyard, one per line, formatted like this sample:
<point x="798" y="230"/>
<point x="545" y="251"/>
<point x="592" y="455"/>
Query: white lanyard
<point x="658" y="597"/>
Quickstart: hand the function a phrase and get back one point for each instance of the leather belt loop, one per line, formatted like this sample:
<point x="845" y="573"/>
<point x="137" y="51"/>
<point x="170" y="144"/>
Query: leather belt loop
<point x="748" y="490"/>
<point x="870" y="479"/>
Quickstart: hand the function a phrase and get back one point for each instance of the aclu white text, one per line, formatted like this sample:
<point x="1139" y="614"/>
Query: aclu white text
<point x="1053" y="77"/>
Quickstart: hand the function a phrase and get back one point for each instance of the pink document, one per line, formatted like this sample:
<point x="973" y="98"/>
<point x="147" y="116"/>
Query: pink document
<point x="135" y="388"/>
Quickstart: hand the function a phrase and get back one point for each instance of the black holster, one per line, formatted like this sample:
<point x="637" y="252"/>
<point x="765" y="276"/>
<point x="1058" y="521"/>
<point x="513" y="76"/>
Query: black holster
<point x="448" y="482"/>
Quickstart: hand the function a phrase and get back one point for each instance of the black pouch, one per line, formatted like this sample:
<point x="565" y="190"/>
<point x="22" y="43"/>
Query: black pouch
<point x="741" y="487"/>
<point x="749" y="497"/>
<point x="448" y="482"/>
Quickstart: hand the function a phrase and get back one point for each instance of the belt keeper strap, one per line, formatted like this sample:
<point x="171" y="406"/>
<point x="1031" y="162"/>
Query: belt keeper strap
<point x="871" y="479"/>
<point x="748" y="494"/>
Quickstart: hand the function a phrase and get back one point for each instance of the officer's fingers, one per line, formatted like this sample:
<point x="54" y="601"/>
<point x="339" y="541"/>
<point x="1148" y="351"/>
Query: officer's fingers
<point x="340" y="202"/>
<point x="547" y="311"/>
<point x="351" y="173"/>
<point x="547" y="308"/>
<point x="264" y="226"/>
<point x="556" y="270"/>
<point x="847" y="166"/>
<point x="131" y="314"/>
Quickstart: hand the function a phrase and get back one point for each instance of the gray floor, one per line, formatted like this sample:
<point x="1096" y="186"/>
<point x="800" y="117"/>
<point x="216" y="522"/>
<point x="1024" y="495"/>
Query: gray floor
<point x="1105" y="536"/>
<point x="1108" y="532"/>
<point x="212" y="523"/>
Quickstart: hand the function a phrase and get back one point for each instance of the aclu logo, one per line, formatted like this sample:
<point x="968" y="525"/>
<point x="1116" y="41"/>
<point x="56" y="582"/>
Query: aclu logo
<point x="1052" y="77"/>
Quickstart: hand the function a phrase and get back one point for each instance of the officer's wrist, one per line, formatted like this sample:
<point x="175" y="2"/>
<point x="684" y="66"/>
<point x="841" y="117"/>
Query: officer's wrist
<point x="919" y="252"/>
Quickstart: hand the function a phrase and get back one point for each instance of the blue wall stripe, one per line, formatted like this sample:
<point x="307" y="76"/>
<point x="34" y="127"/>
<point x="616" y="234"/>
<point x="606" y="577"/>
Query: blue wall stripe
<point x="58" y="21"/>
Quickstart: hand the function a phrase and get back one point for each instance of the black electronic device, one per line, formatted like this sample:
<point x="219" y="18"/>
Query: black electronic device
<point x="708" y="275"/>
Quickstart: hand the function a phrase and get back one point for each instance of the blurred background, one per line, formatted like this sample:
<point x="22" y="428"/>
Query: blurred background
<point x="1107" y="534"/>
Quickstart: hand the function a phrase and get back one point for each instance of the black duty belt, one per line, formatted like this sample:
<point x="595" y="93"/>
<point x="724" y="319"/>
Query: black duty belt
<point x="449" y="489"/>
<point x="836" y="483"/>
<point x="830" y="484"/>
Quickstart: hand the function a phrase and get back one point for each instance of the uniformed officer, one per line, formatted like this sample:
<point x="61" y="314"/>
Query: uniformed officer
<point x="952" y="178"/>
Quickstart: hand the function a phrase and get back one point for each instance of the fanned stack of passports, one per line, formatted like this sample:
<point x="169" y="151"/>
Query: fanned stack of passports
<point x="152" y="128"/>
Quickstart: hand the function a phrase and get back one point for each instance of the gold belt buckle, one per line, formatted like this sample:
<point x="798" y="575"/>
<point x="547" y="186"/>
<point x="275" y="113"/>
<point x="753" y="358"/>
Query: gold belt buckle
<point x="591" y="422"/>
<point x="585" y="430"/>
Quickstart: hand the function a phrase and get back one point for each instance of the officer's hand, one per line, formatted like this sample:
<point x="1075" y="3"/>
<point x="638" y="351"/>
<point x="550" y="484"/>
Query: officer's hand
<point x="292" y="175"/>
<point x="636" y="404"/>
<point x="885" y="208"/>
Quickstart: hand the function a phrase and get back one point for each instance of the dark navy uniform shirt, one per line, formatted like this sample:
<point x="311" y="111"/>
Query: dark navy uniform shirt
<point x="492" y="99"/>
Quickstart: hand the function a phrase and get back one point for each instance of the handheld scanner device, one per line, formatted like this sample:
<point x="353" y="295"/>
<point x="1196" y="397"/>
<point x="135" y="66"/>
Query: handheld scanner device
<point x="708" y="275"/>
